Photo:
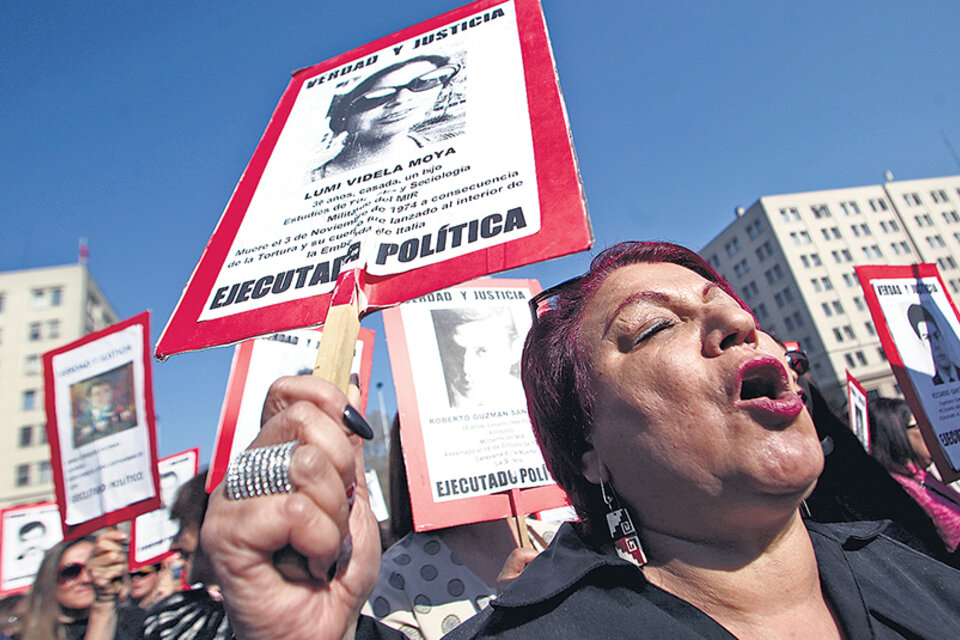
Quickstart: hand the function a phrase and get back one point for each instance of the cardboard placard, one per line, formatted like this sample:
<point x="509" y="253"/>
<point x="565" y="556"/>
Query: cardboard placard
<point x="26" y="532"/>
<point x="919" y="327"/>
<point x="857" y="410"/>
<point x="256" y="364"/>
<point x="152" y="533"/>
<point x="467" y="439"/>
<point x="425" y="158"/>
<point x="100" y="425"/>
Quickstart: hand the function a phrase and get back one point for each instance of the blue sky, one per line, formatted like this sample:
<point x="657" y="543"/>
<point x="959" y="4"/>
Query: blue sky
<point x="129" y="123"/>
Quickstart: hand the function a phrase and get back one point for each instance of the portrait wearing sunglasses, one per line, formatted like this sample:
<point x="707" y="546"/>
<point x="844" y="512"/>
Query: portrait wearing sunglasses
<point x="387" y="114"/>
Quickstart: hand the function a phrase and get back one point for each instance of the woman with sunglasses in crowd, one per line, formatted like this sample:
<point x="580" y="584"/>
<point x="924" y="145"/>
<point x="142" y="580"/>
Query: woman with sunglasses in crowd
<point x="76" y="594"/>
<point x="381" y="115"/>
<point x="676" y="430"/>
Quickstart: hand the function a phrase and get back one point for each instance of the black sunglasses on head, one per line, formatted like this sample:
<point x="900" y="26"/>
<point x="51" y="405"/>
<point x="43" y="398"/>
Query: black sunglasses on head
<point x="144" y="571"/>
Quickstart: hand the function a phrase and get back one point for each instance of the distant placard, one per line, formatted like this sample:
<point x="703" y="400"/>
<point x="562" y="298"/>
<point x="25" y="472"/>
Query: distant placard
<point x="431" y="156"/>
<point x="26" y="532"/>
<point x="153" y="532"/>
<point x="100" y="426"/>
<point x="857" y="411"/>
<point x="256" y="365"/>
<point x="463" y="415"/>
<point x="919" y="327"/>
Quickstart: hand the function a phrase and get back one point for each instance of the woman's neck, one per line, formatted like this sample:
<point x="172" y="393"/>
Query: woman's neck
<point x="68" y="614"/>
<point x="760" y="587"/>
<point x="482" y="547"/>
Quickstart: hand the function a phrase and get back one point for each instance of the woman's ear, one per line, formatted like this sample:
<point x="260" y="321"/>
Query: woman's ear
<point x="592" y="469"/>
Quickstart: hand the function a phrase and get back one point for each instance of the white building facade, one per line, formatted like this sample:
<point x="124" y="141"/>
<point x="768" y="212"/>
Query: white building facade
<point x="40" y="309"/>
<point x="792" y="256"/>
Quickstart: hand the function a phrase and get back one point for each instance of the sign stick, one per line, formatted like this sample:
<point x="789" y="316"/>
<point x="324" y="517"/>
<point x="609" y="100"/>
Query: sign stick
<point x="520" y="518"/>
<point x="340" y="331"/>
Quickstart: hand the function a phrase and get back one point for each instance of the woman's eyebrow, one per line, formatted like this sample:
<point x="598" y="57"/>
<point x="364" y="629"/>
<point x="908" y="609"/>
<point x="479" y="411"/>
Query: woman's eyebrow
<point x="653" y="296"/>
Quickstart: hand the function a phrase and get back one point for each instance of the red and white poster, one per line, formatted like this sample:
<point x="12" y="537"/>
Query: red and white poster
<point x="256" y="365"/>
<point x="100" y="426"/>
<point x="919" y="328"/>
<point x="857" y="411"/>
<point x="467" y="439"/>
<point x="153" y="532"/>
<point x="26" y="532"/>
<point x="434" y="155"/>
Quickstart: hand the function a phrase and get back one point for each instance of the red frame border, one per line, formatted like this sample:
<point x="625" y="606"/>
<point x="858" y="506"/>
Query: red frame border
<point x="867" y="274"/>
<point x="233" y="397"/>
<point x="53" y="437"/>
<point x="852" y="381"/>
<point x="132" y="548"/>
<point x="427" y="514"/>
<point x="566" y="227"/>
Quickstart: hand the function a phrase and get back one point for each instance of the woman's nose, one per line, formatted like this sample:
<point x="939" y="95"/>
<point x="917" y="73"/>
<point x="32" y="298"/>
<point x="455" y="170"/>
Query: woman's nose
<point x="728" y="325"/>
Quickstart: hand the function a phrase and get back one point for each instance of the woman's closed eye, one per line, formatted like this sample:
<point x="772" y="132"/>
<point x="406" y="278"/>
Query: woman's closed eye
<point x="656" y="327"/>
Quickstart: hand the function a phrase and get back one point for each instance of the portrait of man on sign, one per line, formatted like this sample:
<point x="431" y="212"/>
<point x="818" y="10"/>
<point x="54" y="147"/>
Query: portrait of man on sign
<point x="103" y="405"/>
<point x="927" y="329"/>
<point x="480" y="355"/>
<point x="395" y="111"/>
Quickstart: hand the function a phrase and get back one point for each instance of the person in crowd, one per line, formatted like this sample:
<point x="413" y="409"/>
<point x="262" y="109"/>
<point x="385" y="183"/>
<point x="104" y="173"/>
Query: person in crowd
<point x="12" y="609"/>
<point x="76" y="592"/>
<point x="150" y="584"/>
<point x="897" y="444"/>
<point x="432" y="581"/>
<point x="680" y="439"/>
<point x="929" y="332"/>
<point x="197" y="613"/>
<point x="380" y="117"/>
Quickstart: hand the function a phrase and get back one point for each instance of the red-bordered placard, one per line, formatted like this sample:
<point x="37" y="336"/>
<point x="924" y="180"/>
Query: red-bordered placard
<point x="152" y="533"/>
<point x="918" y="326"/>
<point x="858" y="411"/>
<point x="468" y="446"/>
<point x="101" y="428"/>
<point x="26" y="532"/>
<point x="481" y="178"/>
<point x="256" y="364"/>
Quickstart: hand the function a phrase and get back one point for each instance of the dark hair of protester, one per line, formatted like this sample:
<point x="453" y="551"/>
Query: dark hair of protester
<point x="342" y="106"/>
<point x="916" y="314"/>
<point x="401" y="515"/>
<point x="11" y="622"/>
<point x="556" y="378"/>
<point x="44" y="611"/>
<point x="190" y="504"/>
<point x="889" y="443"/>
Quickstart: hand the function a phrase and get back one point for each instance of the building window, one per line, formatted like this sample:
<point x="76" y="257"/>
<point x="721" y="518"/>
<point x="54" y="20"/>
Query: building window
<point x="947" y="263"/>
<point x="837" y="334"/>
<point x="872" y="251"/>
<point x="33" y="331"/>
<point x="22" y="477"/>
<point x="837" y="307"/>
<point x="53" y="328"/>
<point x="879" y="205"/>
<point x="850" y="208"/>
<point x="881" y="354"/>
<point x="826" y="309"/>
<point x="732" y="247"/>
<point x="805" y="261"/>
<point x="764" y="251"/>
<point x="754" y="229"/>
<point x="935" y="241"/>
<point x="761" y="310"/>
<point x="43" y="472"/>
<point x="849" y="280"/>
<point x="820" y="211"/>
<point x="38" y="299"/>
<point x="858" y="303"/>
<point x="869" y="326"/>
<point x="32" y="365"/>
<point x="1" y="301"/>
<point x="827" y="285"/>
<point x="789" y="214"/>
<point x="950" y="217"/>
<point x="26" y="436"/>
<point x="848" y="331"/>
<point x="29" y="400"/>
<point x="816" y="284"/>
<point x="911" y="199"/>
<point x="56" y="296"/>
<point x="862" y="359"/>
<point x="939" y="195"/>
<point x="849" y="359"/>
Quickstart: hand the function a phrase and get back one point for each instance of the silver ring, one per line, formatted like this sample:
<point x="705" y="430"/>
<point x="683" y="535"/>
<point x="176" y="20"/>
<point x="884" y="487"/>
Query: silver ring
<point x="261" y="472"/>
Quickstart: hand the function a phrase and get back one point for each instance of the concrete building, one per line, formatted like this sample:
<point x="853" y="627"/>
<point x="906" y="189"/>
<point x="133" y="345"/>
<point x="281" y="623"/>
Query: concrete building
<point x="792" y="256"/>
<point x="40" y="309"/>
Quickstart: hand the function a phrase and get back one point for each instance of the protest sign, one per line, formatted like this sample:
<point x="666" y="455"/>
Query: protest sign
<point x="100" y="426"/>
<point x="26" y="532"/>
<point x="425" y="158"/>
<point x="857" y="411"/>
<point x="918" y="328"/>
<point x="467" y="439"/>
<point x="256" y="365"/>
<point x="152" y="533"/>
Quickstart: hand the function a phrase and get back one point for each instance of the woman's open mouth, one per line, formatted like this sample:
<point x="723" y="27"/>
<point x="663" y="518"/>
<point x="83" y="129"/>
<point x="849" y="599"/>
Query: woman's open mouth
<point x="763" y="386"/>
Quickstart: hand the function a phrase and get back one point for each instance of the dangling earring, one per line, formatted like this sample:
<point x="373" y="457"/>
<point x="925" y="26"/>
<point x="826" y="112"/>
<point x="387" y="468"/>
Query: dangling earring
<point x="622" y="531"/>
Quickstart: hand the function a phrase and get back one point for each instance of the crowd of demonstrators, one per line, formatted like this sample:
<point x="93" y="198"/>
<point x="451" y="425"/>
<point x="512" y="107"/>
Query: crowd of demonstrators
<point x="12" y="609"/>
<point x="897" y="444"/>
<point x="663" y="412"/>
<point x="432" y="581"/>
<point x="76" y="593"/>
